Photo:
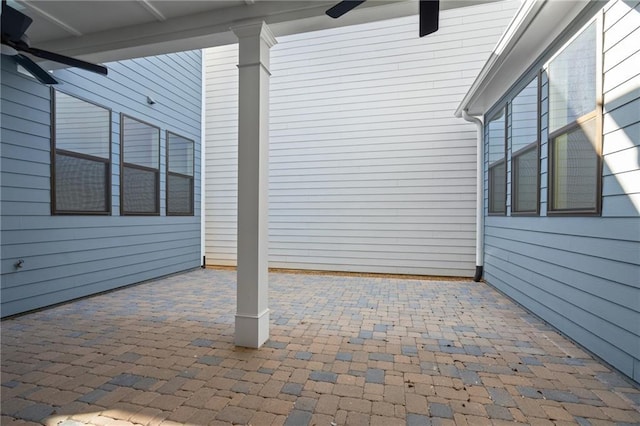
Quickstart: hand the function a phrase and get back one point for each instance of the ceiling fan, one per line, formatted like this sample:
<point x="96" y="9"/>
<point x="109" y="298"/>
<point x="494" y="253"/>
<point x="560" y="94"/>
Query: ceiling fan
<point x="15" y="41"/>
<point x="429" y="11"/>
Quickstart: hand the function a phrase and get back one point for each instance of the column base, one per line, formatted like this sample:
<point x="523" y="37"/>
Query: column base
<point x="252" y="331"/>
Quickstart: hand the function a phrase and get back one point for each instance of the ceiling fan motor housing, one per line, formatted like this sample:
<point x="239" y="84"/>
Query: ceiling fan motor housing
<point x="14" y="24"/>
<point x="15" y="41"/>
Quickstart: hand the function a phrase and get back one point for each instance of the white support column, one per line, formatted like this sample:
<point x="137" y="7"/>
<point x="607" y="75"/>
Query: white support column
<point x="252" y="315"/>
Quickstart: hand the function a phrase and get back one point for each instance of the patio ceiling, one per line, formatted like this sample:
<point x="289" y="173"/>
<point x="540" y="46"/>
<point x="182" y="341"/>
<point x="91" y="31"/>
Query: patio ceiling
<point x="103" y="31"/>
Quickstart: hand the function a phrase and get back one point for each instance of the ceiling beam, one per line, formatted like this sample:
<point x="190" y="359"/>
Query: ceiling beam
<point x="49" y="17"/>
<point x="152" y="9"/>
<point x="212" y="28"/>
<point x="208" y="29"/>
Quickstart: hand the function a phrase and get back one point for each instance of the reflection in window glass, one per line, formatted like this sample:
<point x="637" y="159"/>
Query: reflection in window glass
<point x="496" y="138"/>
<point x="141" y="143"/>
<point x="140" y="179"/>
<point x="179" y="175"/>
<point x="497" y="164"/>
<point x="575" y="168"/>
<point x="81" y="126"/>
<point x="81" y="163"/>
<point x="572" y="79"/>
<point x="524" y="148"/>
<point x="524" y="117"/>
<point x="180" y="155"/>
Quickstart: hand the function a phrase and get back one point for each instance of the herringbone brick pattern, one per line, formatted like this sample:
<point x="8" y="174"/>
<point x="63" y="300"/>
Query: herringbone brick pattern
<point x="344" y="350"/>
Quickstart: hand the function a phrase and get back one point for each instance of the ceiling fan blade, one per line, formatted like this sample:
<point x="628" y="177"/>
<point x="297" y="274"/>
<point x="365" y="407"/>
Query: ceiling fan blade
<point x="429" y="16"/>
<point x="35" y="70"/>
<point x="343" y="7"/>
<point x="73" y="62"/>
<point x="14" y="23"/>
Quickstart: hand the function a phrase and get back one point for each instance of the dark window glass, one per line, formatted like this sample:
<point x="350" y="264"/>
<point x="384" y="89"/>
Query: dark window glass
<point x="81" y="164"/>
<point x="497" y="164"/>
<point x="525" y="180"/>
<point x="524" y="148"/>
<point x="179" y="175"/>
<point x="574" y="152"/>
<point x="179" y="194"/>
<point x="80" y="184"/>
<point x="497" y="187"/>
<point x="140" y="180"/>
<point x="139" y="189"/>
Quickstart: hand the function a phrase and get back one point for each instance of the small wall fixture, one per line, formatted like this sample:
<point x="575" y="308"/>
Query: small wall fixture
<point x="18" y="264"/>
<point x="150" y="100"/>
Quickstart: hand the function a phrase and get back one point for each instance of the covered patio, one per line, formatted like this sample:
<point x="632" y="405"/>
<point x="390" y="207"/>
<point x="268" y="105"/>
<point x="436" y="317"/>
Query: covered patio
<point x="343" y="349"/>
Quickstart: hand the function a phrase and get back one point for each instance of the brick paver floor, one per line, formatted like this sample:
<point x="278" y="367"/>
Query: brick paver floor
<point x="343" y="350"/>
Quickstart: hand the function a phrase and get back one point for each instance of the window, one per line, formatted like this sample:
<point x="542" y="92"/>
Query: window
<point x="179" y="175"/>
<point x="574" y="130"/>
<point x="524" y="148"/>
<point x="497" y="164"/>
<point x="140" y="177"/>
<point x="81" y="160"/>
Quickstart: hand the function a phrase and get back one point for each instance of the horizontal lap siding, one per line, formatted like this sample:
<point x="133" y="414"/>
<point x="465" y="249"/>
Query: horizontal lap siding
<point x="582" y="274"/>
<point x="369" y="170"/>
<point x="366" y="158"/>
<point x="587" y="286"/>
<point x="621" y="127"/>
<point x="221" y="160"/>
<point x="66" y="257"/>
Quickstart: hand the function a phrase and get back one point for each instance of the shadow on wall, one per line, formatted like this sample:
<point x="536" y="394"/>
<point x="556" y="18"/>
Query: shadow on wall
<point x="621" y="148"/>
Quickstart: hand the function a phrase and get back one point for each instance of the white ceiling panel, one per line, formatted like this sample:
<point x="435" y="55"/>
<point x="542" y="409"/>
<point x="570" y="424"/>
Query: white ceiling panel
<point x="103" y="31"/>
<point x="173" y="9"/>
<point x="87" y="16"/>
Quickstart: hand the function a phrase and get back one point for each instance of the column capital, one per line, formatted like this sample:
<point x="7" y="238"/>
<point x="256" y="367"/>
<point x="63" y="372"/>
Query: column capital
<point x="255" y="29"/>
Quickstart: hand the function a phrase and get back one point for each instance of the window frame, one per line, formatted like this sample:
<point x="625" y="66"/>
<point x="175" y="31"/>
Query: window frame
<point x="596" y="211"/>
<point x="596" y="113"/>
<point x="170" y="173"/>
<point x="533" y="145"/>
<point x="54" y="150"/>
<point x="503" y="161"/>
<point x="123" y="164"/>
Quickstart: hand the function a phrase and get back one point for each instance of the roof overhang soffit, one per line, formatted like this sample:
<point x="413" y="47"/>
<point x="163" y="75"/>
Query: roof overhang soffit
<point x="536" y="25"/>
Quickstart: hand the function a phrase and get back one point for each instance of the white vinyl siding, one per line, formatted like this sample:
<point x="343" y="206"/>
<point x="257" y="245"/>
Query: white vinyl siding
<point x="221" y="159"/>
<point x="369" y="170"/>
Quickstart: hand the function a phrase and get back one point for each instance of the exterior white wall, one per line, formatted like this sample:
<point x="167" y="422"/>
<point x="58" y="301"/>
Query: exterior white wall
<point x="221" y="155"/>
<point x="369" y="170"/>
